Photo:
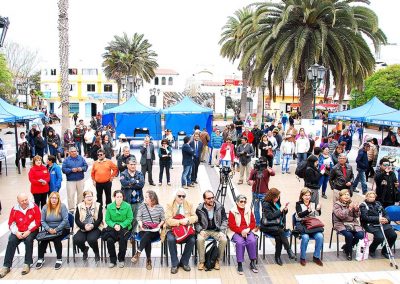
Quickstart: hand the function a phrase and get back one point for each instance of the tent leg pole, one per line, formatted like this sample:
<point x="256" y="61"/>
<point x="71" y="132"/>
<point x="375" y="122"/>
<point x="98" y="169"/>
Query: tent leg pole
<point x="16" y="147"/>
<point x="382" y="134"/>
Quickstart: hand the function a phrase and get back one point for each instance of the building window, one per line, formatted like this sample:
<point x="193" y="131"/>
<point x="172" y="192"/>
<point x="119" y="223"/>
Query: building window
<point x="170" y="81"/>
<point x="73" y="71"/>
<point x="72" y="87"/>
<point x="91" y="87"/>
<point x="163" y="81"/>
<point x="73" y="107"/>
<point x="53" y="72"/>
<point x="153" y="101"/>
<point x="89" y="72"/>
<point x="156" y="81"/>
<point x="107" y="87"/>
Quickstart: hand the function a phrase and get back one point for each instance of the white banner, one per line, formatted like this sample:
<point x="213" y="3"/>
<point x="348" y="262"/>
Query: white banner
<point x="3" y="154"/>
<point x="313" y="126"/>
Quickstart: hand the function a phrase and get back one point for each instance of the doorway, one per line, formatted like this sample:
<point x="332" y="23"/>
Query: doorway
<point x="93" y="109"/>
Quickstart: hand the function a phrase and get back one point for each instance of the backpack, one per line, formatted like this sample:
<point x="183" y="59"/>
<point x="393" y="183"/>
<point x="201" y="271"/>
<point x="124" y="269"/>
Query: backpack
<point x="211" y="256"/>
<point x="301" y="169"/>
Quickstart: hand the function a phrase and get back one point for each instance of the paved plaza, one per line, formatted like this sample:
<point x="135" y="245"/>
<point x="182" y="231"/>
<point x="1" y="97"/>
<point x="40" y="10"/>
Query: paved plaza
<point x="335" y="270"/>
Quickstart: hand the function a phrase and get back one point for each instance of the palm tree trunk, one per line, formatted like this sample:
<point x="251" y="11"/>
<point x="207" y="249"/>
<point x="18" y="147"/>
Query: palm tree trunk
<point x="259" y="105"/>
<point x="306" y="99"/>
<point x="64" y="53"/>
<point x="327" y="85"/>
<point x="243" y="96"/>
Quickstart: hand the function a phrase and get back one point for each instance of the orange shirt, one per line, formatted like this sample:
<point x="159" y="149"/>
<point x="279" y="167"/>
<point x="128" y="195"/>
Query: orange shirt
<point x="102" y="171"/>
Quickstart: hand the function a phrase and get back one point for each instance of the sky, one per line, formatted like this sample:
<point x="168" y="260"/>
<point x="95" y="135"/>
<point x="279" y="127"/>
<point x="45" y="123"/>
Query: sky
<point x="183" y="33"/>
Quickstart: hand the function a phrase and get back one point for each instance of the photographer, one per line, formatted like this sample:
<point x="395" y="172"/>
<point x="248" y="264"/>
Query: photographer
<point x="386" y="184"/>
<point x="259" y="179"/>
<point x="245" y="152"/>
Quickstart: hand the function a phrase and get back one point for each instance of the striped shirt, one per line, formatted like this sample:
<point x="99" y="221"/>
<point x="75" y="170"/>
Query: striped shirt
<point x="157" y="213"/>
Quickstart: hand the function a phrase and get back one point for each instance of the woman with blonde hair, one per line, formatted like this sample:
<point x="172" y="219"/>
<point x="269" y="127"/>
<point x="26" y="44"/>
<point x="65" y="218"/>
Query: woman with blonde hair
<point x="345" y="221"/>
<point x="89" y="219"/>
<point x="55" y="222"/>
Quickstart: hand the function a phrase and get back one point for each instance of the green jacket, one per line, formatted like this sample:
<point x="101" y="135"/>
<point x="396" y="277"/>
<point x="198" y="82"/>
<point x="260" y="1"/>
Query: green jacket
<point x="122" y="217"/>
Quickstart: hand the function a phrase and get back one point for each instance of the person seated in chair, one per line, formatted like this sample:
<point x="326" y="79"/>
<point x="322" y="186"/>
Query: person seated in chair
<point x="305" y="208"/>
<point x="180" y="206"/>
<point x="373" y="215"/>
<point x="89" y="219"/>
<point x="274" y="216"/>
<point x="54" y="220"/>
<point x="242" y="230"/>
<point x="212" y="223"/>
<point x="24" y="222"/>
<point x="345" y="221"/>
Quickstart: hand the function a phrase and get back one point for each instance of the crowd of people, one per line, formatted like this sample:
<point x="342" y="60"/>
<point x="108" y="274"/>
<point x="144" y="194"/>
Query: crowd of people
<point x="130" y="213"/>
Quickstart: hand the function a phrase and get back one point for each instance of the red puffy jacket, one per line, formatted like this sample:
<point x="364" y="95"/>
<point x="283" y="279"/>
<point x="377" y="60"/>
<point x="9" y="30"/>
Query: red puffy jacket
<point x="35" y="174"/>
<point x="21" y="222"/>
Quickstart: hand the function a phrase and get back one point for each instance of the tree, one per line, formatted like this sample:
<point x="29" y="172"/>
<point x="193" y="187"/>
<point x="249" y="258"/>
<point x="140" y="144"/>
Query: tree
<point x="64" y="55"/>
<point x="126" y="56"/>
<point x="232" y="46"/>
<point x="6" y="81"/>
<point x="294" y="34"/>
<point x="234" y="105"/>
<point x="385" y="85"/>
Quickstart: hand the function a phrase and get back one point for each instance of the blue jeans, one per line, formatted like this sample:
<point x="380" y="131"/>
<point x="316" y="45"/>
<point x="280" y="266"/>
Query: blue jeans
<point x="190" y="242"/>
<point x="361" y="178"/>
<point x="277" y="157"/>
<point x="301" y="157"/>
<point x="186" y="175"/>
<point x="78" y="146"/>
<point x="319" y="241"/>
<point x="257" y="203"/>
<point x="323" y="181"/>
<point x="351" y="239"/>
<point x="286" y="162"/>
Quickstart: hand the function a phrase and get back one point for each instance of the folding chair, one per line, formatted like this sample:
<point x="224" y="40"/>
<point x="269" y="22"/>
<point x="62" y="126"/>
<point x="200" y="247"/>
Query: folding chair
<point x="228" y="248"/>
<point x="226" y="257"/>
<point x="337" y="238"/>
<point x="164" y="250"/>
<point x="393" y="213"/>
<point x="288" y="234"/>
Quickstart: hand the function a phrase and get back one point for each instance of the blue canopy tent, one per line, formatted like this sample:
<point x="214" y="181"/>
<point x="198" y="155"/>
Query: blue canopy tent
<point x="371" y="108"/>
<point x="388" y="119"/>
<point x="133" y="114"/>
<point x="184" y="115"/>
<point x="14" y="114"/>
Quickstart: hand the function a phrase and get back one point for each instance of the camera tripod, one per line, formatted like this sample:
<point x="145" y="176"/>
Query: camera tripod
<point x="225" y="181"/>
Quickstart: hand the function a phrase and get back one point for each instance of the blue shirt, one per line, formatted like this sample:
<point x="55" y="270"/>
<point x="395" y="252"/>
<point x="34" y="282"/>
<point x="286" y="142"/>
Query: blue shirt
<point x="70" y="163"/>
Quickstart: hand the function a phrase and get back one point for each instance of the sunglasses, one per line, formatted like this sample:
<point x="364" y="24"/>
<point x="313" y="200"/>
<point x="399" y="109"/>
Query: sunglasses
<point x="386" y="164"/>
<point x="210" y="198"/>
<point x="243" y="201"/>
<point x="181" y="196"/>
<point x="99" y="154"/>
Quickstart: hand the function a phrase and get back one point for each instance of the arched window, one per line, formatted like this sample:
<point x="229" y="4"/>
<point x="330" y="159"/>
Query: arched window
<point x="163" y="81"/>
<point x="156" y="81"/>
<point x="249" y="105"/>
<point x="170" y="81"/>
<point x="153" y="101"/>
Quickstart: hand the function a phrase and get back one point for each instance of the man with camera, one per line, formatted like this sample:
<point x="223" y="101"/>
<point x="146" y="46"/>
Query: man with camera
<point x="245" y="152"/>
<point x="259" y="179"/>
<point x="386" y="184"/>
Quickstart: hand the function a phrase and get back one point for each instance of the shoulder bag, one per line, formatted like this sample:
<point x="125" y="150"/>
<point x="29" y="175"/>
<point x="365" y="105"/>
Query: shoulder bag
<point x="46" y="236"/>
<point x="182" y="232"/>
<point x="312" y="223"/>
<point x="149" y="226"/>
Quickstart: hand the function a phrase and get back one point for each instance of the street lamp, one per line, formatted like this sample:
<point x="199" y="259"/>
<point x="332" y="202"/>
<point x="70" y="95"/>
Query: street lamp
<point x="263" y="86"/>
<point x="132" y="85"/>
<point x="225" y="92"/>
<point x="153" y="98"/>
<point x="316" y="74"/>
<point x="4" y="23"/>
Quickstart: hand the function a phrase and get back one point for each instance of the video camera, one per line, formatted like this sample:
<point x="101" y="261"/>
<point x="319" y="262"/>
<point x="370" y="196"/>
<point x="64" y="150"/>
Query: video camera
<point x="225" y="170"/>
<point x="260" y="164"/>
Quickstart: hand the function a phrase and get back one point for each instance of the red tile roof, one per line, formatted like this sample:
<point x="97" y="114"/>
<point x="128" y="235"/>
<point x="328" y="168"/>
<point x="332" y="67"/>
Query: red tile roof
<point x="160" y="71"/>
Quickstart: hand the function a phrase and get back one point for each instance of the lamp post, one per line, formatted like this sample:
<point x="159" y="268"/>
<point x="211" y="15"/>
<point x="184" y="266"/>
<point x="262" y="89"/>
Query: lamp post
<point x="263" y="86"/>
<point x="132" y="85"/>
<point x="225" y="92"/>
<point x="4" y="23"/>
<point x="316" y="74"/>
<point x="153" y="93"/>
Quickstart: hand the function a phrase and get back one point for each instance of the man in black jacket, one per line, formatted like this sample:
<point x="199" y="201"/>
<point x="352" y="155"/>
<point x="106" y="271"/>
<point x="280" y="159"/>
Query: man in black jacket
<point x="122" y="159"/>
<point x="212" y="222"/>
<point x="362" y="167"/>
<point x="341" y="176"/>
<point x="257" y="134"/>
<point x="312" y="177"/>
<point x="386" y="184"/>
<point x="147" y="158"/>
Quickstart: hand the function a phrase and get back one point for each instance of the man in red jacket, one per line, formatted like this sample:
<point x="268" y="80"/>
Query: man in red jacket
<point x="24" y="223"/>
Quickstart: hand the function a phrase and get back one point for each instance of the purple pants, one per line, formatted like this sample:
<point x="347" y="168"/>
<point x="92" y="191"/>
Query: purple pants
<point x="250" y="243"/>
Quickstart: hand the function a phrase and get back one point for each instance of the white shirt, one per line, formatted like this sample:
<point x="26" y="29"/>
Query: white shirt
<point x="302" y="145"/>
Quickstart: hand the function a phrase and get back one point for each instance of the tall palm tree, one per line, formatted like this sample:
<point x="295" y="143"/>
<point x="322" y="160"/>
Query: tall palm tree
<point x="294" y="34"/>
<point x="63" y="54"/>
<point x="126" y="56"/>
<point x="237" y="28"/>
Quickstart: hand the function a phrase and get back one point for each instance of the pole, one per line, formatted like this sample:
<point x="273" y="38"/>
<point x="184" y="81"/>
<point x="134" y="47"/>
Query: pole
<point x="263" y="106"/>
<point x="16" y="146"/>
<point x="315" y="95"/>
<point x="225" y="109"/>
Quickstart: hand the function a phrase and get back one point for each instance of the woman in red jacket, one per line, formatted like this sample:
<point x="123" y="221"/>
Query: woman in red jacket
<point x="227" y="153"/>
<point x="39" y="177"/>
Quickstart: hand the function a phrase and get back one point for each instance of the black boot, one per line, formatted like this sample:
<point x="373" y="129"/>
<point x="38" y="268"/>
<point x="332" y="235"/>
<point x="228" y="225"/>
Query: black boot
<point x="290" y="254"/>
<point x="278" y="260"/>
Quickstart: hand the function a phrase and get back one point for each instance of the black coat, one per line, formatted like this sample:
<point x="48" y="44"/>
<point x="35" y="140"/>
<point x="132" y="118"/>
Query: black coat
<point x="386" y="191"/>
<point x="311" y="178"/>
<point x="369" y="217"/>
<point x="272" y="213"/>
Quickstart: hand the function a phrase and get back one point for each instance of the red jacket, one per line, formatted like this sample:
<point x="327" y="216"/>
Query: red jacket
<point x="249" y="135"/>
<point x="223" y="151"/>
<point x="21" y="222"/>
<point x="35" y="174"/>
<point x="238" y="229"/>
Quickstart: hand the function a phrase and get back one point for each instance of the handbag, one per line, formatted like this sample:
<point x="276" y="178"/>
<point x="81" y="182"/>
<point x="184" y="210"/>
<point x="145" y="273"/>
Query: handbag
<point x="182" y="232"/>
<point x="270" y="153"/>
<point x="349" y="226"/>
<point x="46" y="236"/>
<point x="312" y="223"/>
<point x="149" y="226"/>
<point x="266" y="223"/>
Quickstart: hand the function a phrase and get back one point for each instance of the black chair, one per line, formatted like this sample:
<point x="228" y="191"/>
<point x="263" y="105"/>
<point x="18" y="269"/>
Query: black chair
<point x="226" y="257"/>
<point x="337" y="238"/>
<point x="288" y="234"/>
<point x="228" y="248"/>
<point x="164" y="248"/>
<point x="297" y="235"/>
<point x="141" y="131"/>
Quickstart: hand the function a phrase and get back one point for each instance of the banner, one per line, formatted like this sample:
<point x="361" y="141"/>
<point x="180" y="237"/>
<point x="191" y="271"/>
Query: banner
<point x="313" y="126"/>
<point x="392" y="153"/>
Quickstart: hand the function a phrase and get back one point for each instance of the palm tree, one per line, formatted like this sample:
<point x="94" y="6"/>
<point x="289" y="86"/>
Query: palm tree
<point x="63" y="54"/>
<point x="294" y="34"/>
<point x="234" y="32"/>
<point x="126" y="56"/>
